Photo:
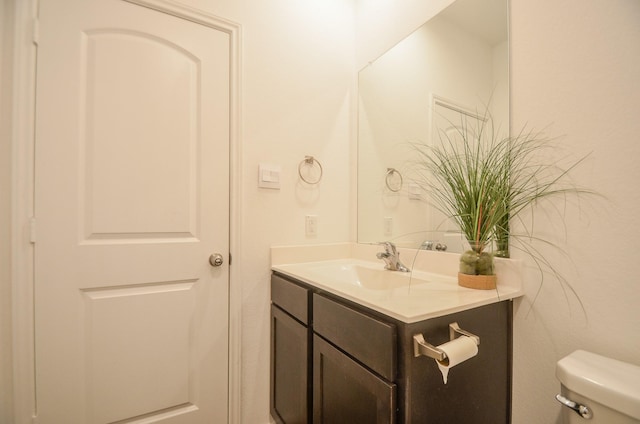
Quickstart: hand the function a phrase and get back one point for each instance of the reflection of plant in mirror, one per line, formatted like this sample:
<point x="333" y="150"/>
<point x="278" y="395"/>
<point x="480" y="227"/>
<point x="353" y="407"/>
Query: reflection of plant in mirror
<point x="461" y="179"/>
<point x="483" y="181"/>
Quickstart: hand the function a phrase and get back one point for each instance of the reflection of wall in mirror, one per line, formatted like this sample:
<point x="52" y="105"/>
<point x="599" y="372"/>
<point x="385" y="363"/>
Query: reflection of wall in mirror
<point x="396" y="92"/>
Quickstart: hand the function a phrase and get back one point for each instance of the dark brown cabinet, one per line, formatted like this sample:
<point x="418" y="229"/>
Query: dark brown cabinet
<point x="334" y="361"/>
<point x="290" y="353"/>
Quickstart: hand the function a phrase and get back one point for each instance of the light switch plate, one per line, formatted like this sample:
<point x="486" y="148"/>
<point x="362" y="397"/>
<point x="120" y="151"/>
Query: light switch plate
<point x="269" y="176"/>
<point x="415" y="191"/>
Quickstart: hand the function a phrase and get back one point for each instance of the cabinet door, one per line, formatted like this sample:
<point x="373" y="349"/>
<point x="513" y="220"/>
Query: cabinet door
<point x="290" y="369"/>
<point x="346" y="392"/>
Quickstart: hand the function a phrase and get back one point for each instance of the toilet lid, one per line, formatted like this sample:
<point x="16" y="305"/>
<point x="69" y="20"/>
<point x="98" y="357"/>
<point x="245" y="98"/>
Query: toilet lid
<point x="613" y="383"/>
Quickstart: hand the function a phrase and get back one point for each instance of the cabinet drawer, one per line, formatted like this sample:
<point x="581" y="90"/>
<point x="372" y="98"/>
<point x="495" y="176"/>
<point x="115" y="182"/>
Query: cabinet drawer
<point x="367" y="339"/>
<point x="291" y="297"/>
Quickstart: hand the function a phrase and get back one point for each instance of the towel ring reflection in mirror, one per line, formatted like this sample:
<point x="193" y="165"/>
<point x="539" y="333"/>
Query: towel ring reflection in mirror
<point x="393" y="180"/>
<point x="306" y="167"/>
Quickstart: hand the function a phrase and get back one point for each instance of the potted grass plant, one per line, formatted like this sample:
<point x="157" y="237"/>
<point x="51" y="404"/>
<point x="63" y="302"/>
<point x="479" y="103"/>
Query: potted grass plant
<point x="483" y="182"/>
<point x="459" y="173"/>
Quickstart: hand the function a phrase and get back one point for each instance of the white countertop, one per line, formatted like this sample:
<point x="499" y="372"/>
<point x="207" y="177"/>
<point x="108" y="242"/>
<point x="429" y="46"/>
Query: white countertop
<point x="408" y="297"/>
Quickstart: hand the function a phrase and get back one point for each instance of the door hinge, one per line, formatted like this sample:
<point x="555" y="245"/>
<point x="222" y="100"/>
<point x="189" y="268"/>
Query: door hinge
<point x="36" y="31"/>
<point x="230" y="259"/>
<point x="34" y="419"/>
<point x="32" y="230"/>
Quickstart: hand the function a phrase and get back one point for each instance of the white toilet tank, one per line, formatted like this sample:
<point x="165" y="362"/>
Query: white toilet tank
<point x="609" y="389"/>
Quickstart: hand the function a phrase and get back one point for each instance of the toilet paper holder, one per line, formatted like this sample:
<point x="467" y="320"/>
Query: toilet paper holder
<point x="421" y="347"/>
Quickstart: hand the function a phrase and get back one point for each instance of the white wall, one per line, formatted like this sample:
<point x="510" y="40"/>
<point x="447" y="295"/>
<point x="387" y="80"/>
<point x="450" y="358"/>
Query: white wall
<point x="575" y="68"/>
<point x="298" y="79"/>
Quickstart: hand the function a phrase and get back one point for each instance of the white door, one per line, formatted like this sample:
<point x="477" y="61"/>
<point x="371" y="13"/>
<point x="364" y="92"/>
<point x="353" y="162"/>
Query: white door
<point x="132" y="197"/>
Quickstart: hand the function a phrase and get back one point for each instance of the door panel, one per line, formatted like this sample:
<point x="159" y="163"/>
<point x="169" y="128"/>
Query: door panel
<point x="130" y="353"/>
<point x="117" y="66"/>
<point x="132" y="196"/>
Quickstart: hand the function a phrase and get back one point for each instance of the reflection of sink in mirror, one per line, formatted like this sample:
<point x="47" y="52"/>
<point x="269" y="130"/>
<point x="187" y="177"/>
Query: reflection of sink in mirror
<point x="367" y="278"/>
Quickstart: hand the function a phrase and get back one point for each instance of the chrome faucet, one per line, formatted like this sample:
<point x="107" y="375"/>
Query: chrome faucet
<point x="391" y="257"/>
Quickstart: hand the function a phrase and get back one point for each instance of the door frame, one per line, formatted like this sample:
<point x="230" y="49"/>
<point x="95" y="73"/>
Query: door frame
<point x="22" y="200"/>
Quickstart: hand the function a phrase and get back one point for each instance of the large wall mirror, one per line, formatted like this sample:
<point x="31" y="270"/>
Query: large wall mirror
<point x="453" y="67"/>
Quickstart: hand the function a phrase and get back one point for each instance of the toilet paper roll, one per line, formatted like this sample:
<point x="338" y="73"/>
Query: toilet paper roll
<point x="457" y="350"/>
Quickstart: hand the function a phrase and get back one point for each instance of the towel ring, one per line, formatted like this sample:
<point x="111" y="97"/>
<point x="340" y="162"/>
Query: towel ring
<point x="309" y="161"/>
<point x="388" y="180"/>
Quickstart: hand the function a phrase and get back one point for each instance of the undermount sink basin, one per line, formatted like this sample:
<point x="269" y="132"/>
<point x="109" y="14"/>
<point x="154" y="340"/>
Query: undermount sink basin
<point x="366" y="277"/>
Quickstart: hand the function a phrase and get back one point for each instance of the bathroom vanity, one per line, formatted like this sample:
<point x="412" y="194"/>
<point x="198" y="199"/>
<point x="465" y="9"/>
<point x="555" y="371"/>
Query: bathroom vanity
<point x="344" y="356"/>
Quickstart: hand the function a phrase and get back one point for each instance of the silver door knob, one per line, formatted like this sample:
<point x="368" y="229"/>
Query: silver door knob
<point x="216" y="259"/>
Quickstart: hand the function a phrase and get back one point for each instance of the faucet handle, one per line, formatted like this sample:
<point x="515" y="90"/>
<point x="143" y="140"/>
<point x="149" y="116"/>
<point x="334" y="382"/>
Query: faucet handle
<point x="427" y="245"/>
<point x="431" y="245"/>
<point x="391" y="257"/>
<point x="389" y="247"/>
